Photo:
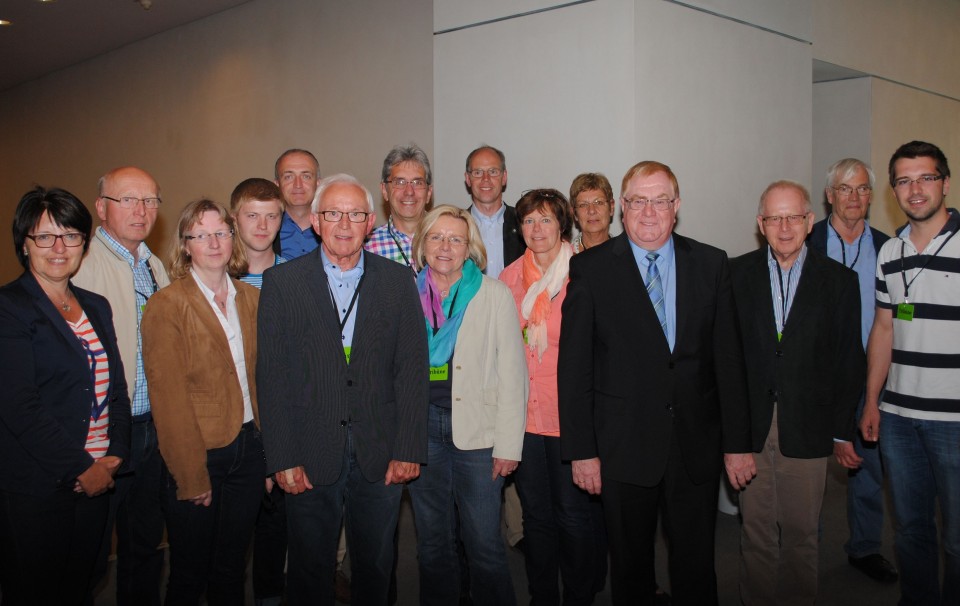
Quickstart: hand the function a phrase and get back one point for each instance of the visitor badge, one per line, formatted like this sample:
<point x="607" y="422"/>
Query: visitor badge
<point x="905" y="312"/>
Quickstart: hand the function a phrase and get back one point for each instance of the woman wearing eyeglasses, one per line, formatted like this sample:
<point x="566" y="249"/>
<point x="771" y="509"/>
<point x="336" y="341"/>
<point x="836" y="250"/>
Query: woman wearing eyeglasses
<point x="65" y="411"/>
<point x="478" y="396"/>
<point x="199" y="354"/>
<point x="592" y="200"/>
<point x="559" y="519"/>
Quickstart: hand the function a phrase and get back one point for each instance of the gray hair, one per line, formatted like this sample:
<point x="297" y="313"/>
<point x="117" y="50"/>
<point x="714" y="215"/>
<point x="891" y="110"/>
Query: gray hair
<point x="339" y="179"/>
<point x="842" y="170"/>
<point x="786" y="184"/>
<point x="406" y="153"/>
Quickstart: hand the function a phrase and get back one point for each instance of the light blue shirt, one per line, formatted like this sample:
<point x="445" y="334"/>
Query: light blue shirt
<point x="342" y="286"/>
<point x="784" y="291"/>
<point x="666" y="265"/>
<point x="144" y="285"/>
<point x="861" y="257"/>
<point x="491" y="232"/>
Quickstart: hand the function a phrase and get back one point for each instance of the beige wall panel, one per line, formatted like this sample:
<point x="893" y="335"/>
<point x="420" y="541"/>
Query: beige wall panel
<point x="211" y="103"/>
<point x="841" y="129"/>
<point x="915" y="43"/>
<point x="790" y="17"/>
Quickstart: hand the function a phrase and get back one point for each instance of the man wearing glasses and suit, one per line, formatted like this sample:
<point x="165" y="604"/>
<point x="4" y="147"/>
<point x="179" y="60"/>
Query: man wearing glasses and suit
<point x="653" y="403"/>
<point x="342" y="378"/>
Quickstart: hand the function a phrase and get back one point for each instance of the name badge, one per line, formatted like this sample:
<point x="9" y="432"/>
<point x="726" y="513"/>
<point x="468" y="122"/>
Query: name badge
<point x="905" y="312"/>
<point x="440" y="373"/>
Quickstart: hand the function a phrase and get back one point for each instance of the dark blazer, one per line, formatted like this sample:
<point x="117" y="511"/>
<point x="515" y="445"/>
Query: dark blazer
<point x="308" y="394"/>
<point x="623" y="393"/>
<point x="513" y="244"/>
<point x="817" y="239"/>
<point x="815" y="373"/>
<point x="45" y="377"/>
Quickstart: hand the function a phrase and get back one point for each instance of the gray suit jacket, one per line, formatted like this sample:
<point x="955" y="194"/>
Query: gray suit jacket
<point x="307" y="392"/>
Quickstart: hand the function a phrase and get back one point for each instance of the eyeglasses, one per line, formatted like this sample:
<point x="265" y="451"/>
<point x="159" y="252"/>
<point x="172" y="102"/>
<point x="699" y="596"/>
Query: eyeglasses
<point x="402" y="183"/>
<point x="71" y="239"/>
<point x="776" y="220"/>
<point x="542" y="221"/>
<point x="493" y="173"/>
<point x="595" y="204"/>
<point x="453" y="241"/>
<point x="845" y="190"/>
<point x="206" y="238"/>
<point x="334" y="216"/>
<point x="132" y="201"/>
<point x="658" y="204"/>
<point x="905" y="182"/>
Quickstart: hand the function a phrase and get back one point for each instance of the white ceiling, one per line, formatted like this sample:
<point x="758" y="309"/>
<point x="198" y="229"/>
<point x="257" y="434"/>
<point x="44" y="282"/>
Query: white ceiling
<point x="47" y="36"/>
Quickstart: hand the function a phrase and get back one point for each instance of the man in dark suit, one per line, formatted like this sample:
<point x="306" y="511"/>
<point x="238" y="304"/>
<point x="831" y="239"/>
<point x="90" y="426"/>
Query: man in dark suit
<point x="486" y="180"/>
<point x="846" y="236"/>
<point x="799" y="315"/>
<point x="342" y="378"/>
<point x="652" y="392"/>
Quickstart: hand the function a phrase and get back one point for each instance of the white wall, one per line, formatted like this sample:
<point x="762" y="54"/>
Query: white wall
<point x="603" y="85"/>
<point x="841" y="129"/>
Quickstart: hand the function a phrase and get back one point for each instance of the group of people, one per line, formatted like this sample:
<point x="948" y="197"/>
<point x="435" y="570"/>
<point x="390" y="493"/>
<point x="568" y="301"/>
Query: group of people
<point x="292" y="369"/>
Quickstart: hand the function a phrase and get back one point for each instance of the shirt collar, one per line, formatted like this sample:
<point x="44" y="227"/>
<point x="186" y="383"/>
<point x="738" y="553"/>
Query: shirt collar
<point x="207" y="293"/>
<point x="143" y="253"/>
<point x="333" y="270"/>
<point x="771" y="260"/>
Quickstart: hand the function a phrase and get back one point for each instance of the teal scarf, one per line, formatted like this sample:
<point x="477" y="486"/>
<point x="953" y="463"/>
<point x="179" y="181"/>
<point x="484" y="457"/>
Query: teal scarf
<point x="444" y="324"/>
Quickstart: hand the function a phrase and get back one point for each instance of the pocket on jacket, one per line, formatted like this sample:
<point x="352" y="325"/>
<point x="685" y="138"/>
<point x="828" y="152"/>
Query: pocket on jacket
<point x="204" y="404"/>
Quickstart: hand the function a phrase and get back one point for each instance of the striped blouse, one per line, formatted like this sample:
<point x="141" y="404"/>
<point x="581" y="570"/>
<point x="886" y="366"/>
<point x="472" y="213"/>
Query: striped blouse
<point x="98" y="439"/>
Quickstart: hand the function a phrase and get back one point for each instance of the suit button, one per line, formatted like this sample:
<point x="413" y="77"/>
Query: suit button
<point x="343" y="423"/>
<point x="670" y="365"/>
<point x="779" y="354"/>
<point x="349" y="383"/>
<point x="668" y="406"/>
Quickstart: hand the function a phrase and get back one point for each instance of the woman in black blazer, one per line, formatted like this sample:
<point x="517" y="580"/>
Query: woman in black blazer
<point x="64" y="414"/>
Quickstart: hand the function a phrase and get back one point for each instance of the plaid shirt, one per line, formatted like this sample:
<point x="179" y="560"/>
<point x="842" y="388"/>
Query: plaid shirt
<point x="387" y="242"/>
<point x="144" y="285"/>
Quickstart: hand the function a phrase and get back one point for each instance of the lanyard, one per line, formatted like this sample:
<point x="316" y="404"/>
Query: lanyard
<point x="399" y="246"/>
<point x="353" y="301"/>
<point x="843" y="245"/>
<point x="784" y="290"/>
<point x="153" y="280"/>
<point x="436" y="325"/>
<point x="903" y="273"/>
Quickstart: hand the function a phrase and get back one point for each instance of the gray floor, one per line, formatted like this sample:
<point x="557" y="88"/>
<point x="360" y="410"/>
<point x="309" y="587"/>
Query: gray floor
<point x="839" y="582"/>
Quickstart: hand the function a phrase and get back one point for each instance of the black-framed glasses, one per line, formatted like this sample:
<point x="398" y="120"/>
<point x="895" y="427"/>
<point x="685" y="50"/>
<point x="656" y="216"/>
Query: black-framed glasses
<point x="132" y="201"/>
<point x="334" y="216"/>
<point x="904" y="182"/>
<point x="204" y="238"/>
<point x="658" y="204"/>
<point x="71" y="239"/>
<point x="402" y="183"/>
<point x="846" y="191"/>
<point x="776" y="220"/>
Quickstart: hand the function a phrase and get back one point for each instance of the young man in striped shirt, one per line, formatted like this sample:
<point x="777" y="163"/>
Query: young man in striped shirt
<point x="915" y="348"/>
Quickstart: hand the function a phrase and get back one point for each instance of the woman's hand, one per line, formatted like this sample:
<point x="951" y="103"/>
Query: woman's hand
<point x="96" y="480"/>
<point x="503" y="467"/>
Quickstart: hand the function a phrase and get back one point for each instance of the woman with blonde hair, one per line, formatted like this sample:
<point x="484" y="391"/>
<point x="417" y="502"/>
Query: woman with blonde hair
<point x="199" y="353"/>
<point x="478" y="397"/>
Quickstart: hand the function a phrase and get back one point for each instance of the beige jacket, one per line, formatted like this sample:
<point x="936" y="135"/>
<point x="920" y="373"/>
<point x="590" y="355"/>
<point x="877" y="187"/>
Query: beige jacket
<point x="194" y="392"/>
<point x="489" y="392"/>
<point x="106" y="273"/>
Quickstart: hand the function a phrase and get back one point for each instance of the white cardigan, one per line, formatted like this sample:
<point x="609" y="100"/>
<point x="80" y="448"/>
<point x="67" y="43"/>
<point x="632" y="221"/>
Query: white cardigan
<point x="489" y="391"/>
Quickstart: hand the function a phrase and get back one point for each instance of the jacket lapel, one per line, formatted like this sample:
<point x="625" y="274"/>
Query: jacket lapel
<point x="322" y="302"/>
<point x="208" y="319"/>
<point x="628" y="278"/>
<point x="44" y="304"/>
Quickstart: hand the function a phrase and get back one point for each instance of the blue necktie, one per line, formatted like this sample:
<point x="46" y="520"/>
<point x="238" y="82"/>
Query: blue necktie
<point x="655" y="290"/>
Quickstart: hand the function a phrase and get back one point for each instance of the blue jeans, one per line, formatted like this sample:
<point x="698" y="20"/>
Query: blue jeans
<point x="923" y="463"/>
<point x="208" y="545"/>
<point x="313" y="531"/>
<point x="558" y="526"/>
<point x="865" y="499"/>
<point x="453" y="481"/>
